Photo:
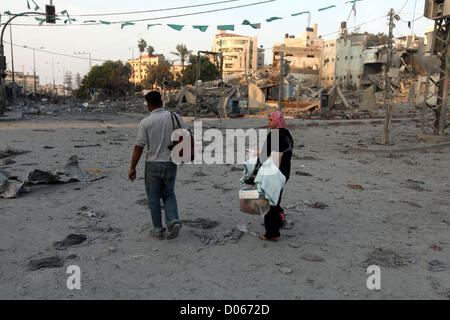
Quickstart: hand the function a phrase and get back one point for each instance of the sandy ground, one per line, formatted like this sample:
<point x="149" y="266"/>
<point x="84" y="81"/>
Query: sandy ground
<point x="120" y="261"/>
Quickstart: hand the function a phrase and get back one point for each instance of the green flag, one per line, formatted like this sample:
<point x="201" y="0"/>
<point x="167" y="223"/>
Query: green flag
<point x="40" y="19"/>
<point x="105" y="22"/>
<point x="126" y="24"/>
<point x="28" y="5"/>
<point x="353" y="1"/>
<point x="201" y="28"/>
<point x="229" y="27"/>
<point x="64" y="12"/>
<point x="152" y="25"/>
<point x="176" y="27"/>
<point x="36" y="8"/>
<point x="69" y="20"/>
<point x="89" y="21"/>
<point x="326" y="8"/>
<point x="273" y="19"/>
<point x="300" y="13"/>
<point x="253" y="25"/>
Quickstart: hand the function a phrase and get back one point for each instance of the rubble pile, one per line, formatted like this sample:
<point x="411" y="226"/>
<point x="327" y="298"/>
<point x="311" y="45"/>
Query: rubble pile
<point x="26" y="106"/>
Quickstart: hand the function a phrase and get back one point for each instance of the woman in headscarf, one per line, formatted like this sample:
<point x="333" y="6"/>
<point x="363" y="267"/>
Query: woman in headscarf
<point x="274" y="219"/>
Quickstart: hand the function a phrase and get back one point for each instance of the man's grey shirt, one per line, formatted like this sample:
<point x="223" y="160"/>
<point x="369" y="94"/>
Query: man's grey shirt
<point x="155" y="132"/>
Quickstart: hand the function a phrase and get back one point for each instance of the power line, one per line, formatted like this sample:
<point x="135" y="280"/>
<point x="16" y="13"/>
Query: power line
<point x="157" y="18"/>
<point x="154" y="10"/>
<point x="403" y="7"/>
<point x="55" y="53"/>
<point x="358" y="25"/>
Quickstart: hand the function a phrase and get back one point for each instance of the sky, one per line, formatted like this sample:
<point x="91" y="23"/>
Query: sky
<point x="110" y="42"/>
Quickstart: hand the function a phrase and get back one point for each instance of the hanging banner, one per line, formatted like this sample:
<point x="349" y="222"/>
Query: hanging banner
<point x="177" y="27"/>
<point x="36" y="8"/>
<point x="105" y="22"/>
<point x="90" y="21"/>
<point x="229" y="27"/>
<point x="201" y="28"/>
<point x="152" y="25"/>
<point x="253" y="25"/>
<point x="69" y="20"/>
<point x="127" y="24"/>
<point x="300" y="13"/>
<point x="326" y="8"/>
<point x="273" y="19"/>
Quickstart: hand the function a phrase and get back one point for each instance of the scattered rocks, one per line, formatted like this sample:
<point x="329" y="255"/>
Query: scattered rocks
<point x="384" y="258"/>
<point x="313" y="258"/>
<point x="201" y="223"/>
<point x="437" y="266"/>
<point x="49" y="262"/>
<point x="356" y="187"/>
<point x="285" y="270"/>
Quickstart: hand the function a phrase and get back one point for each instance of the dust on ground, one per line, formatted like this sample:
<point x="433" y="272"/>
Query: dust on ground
<point x="398" y="216"/>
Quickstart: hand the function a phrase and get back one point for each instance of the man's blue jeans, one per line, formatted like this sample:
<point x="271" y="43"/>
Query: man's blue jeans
<point x="160" y="184"/>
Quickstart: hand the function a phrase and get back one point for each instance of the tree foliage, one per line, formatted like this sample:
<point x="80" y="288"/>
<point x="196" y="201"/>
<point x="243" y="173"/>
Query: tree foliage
<point x="112" y="78"/>
<point x="150" y="50"/>
<point x="182" y="52"/>
<point x="156" y="74"/>
<point x="142" y="45"/>
<point x="208" y="70"/>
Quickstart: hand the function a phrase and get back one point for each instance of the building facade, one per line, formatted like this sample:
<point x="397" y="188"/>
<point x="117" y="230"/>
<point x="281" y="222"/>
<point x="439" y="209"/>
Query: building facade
<point x="350" y="61"/>
<point x="26" y="82"/>
<point x="241" y="54"/>
<point x="139" y="67"/>
<point x="302" y="54"/>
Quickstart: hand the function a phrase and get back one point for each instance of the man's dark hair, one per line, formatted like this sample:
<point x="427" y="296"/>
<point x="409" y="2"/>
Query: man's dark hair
<point x="154" y="98"/>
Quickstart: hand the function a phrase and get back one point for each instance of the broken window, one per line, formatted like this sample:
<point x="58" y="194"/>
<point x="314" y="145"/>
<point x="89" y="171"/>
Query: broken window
<point x="373" y="68"/>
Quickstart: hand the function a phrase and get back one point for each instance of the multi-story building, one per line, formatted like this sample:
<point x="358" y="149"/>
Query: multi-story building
<point x="350" y="60"/>
<point x="24" y="81"/>
<point x="139" y="66"/>
<point x="302" y="54"/>
<point x="241" y="54"/>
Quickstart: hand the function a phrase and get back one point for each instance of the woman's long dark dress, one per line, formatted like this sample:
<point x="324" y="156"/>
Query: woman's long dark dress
<point x="272" y="220"/>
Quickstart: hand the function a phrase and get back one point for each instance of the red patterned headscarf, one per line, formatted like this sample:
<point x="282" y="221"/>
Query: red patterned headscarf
<point x="278" y="120"/>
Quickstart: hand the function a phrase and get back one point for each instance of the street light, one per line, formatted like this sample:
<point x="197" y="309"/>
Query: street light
<point x="90" y="58"/>
<point x="53" y="71"/>
<point x="34" y="63"/>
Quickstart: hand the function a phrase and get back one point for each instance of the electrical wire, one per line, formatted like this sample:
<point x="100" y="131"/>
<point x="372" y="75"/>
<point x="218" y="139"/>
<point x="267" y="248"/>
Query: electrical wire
<point x="403" y="7"/>
<point x="361" y="24"/>
<point x="157" y="18"/>
<point x="55" y="53"/>
<point x="153" y="10"/>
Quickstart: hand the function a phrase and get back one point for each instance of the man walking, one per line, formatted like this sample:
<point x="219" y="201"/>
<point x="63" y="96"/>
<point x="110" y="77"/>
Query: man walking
<point x="155" y="132"/>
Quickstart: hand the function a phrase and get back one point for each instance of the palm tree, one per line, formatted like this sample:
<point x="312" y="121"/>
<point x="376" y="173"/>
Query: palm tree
<point x="150" y="50"/>
<point x="182" y="52"/>
<point x="142" y="44"/>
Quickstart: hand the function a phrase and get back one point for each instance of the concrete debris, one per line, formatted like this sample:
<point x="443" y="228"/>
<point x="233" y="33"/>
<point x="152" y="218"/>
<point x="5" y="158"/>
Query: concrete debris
<point x="219" y="239"/>
<point x="69" y="241"/>
<point x="384" y="258"/>
<point x="9" y="188"/>
<point x="9" y="152"/>
<point x="49" y="262"/>
<point x="70" y="173"/>
<point x="201" y="223"/>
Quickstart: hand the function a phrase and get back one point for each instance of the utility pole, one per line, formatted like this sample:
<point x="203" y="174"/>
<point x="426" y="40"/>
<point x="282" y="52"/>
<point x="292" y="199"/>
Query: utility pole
<point x="34" y="69"/>
<point x="439" y="78"/>
<point x="387" y="102"/>
<point x="280" y="92"/>
<point x="12" y="55"/>
<point x="90" y="58"/>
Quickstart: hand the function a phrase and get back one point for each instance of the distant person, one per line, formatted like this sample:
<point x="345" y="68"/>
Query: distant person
<point x="155" y="132"/>
<point x="275" y="218"/>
